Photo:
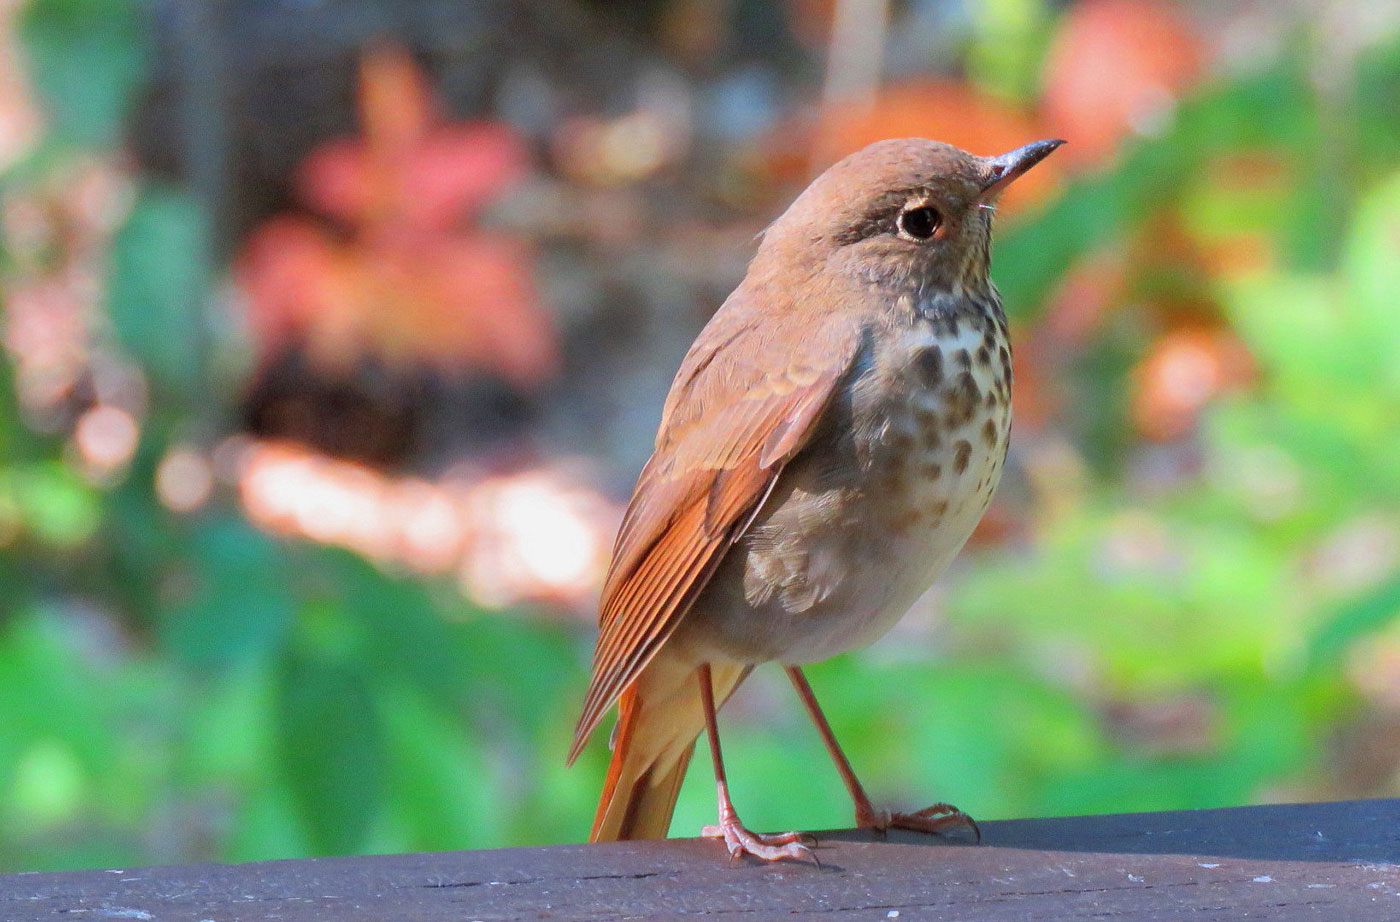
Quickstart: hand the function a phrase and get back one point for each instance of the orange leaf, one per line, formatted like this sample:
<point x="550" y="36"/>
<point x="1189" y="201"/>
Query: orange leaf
<point x="947" y="110"/>
<point x="1114" y="67"/>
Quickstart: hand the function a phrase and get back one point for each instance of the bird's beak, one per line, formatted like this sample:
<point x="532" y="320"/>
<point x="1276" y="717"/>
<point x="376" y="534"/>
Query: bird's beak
<point x="1003" y="170"/>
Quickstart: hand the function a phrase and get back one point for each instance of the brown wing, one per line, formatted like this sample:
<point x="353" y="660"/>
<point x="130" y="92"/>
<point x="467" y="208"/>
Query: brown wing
<point x="746" y="400"/>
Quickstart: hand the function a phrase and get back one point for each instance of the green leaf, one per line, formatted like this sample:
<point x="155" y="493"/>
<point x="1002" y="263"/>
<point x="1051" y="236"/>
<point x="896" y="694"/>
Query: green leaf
<point x="1378" y="102"/>
<point x="1006" y="46"/>
<point x="47" y="690"/>
<point x="407" y="637"/>
<point x="239" y="607"/>
<point x="157" y="284"/>
<point x="53" y="503"/>
<point x="1372" y="274"/>
<point x="1359" y="617"/>
<point x="438" y="780"/>
<point x="229" y="730"/>
<point x="329" y="748"/>
<point x="511" y="696"/>
<point x="1304" y="334"/>
<point x="85" y="59"/>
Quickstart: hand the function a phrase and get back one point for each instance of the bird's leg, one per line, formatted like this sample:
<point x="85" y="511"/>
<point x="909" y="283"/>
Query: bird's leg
<point x="936" y="818"/>
<point x="737" y="839"/>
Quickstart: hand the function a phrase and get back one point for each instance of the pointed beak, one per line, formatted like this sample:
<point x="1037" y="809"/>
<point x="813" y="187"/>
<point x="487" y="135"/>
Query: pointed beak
<point x="1003" y="170"/>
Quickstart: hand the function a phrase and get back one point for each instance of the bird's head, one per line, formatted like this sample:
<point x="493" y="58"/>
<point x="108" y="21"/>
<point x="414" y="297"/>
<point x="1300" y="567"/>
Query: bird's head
<point x="905" y="214"/>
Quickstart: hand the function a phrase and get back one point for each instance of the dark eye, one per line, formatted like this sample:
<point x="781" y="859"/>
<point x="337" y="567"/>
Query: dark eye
<point x="919" y="223"/>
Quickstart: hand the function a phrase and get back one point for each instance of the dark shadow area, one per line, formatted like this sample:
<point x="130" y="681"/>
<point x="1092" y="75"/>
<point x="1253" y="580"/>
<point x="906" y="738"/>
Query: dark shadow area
<point x="1356" y="830"/>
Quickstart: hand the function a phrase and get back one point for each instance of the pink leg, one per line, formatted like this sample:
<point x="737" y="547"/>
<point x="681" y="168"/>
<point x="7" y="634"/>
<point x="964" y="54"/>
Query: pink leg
<point x="936" y="818"/>
<point x="737" y="839"/>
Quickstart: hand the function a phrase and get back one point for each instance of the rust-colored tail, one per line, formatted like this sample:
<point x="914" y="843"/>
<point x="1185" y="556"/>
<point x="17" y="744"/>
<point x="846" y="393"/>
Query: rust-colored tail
<point x="659" y="717"/>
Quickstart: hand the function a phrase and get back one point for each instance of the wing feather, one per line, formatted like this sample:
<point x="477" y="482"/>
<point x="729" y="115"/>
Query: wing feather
<point x="735" y="415"/>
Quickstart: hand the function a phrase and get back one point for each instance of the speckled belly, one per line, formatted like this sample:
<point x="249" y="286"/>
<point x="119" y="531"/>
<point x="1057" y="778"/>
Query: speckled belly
<point x="863" y="521"/>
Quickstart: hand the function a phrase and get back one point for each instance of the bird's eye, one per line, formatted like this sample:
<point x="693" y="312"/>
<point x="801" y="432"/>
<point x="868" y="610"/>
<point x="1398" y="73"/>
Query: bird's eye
<point x="919" y="223"/>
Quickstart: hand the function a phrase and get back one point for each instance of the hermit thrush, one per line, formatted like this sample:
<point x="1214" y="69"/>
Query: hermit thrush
<point x="828" y="444"/>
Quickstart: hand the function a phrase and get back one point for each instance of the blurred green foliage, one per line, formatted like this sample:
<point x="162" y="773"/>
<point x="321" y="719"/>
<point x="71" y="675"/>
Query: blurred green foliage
<point x="85" y="58"/>
<point x="259" y="698"/>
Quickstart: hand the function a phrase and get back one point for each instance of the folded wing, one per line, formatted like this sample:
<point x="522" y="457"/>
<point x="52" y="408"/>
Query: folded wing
<point x="737" y="412"/>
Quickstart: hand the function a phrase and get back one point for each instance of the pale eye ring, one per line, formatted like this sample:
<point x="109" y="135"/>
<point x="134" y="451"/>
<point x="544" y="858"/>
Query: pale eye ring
<point x="919" y="222"/>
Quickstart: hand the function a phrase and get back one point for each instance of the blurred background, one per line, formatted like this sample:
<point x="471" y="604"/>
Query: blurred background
<point x="335" y="332"/>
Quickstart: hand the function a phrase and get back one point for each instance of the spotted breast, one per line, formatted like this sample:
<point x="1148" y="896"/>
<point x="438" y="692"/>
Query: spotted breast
<point x="901" y="469"/>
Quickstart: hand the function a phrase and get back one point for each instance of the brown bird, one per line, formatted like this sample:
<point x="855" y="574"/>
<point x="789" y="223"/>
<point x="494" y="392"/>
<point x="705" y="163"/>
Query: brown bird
<point x="829" y="442"/>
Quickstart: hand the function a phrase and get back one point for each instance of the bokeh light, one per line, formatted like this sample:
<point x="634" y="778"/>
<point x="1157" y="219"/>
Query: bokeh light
<point x="184" y="479"/>
<point x="106" y="438"/>
<point x="539" y="535"/>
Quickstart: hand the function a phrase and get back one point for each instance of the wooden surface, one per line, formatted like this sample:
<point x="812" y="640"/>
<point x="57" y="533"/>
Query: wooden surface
<point x="1337" y="861"/>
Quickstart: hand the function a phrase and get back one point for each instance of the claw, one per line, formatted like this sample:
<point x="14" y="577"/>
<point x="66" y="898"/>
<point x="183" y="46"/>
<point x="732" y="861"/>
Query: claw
<point x="934" y="820"/>
<point x="768" y="847"/>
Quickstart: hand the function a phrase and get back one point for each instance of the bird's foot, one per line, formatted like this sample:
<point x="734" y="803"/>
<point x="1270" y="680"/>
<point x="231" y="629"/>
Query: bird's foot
<point x="936" y="819"/>
<point x="769" y="847"/>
